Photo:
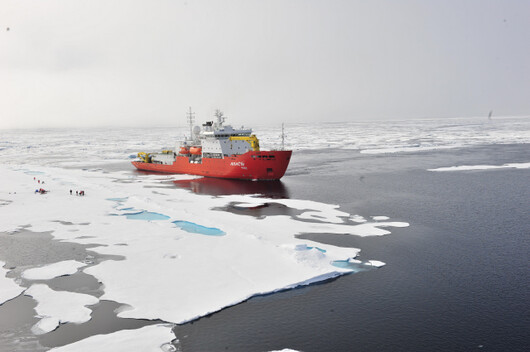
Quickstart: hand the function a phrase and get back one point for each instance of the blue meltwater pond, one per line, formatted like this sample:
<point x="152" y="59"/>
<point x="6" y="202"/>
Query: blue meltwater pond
<point x="195" y="228"/>
<point x="146" y="215"/>
<point x="152" y="216"/>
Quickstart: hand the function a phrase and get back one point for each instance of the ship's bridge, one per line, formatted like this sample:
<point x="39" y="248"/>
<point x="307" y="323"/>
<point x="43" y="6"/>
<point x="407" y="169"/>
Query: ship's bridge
<point x="225" y="132"/>
<point x="225" y="141"/>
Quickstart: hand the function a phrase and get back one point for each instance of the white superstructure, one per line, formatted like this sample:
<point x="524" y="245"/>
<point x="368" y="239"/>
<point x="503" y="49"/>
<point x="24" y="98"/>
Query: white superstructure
<point x="218" y="140"/>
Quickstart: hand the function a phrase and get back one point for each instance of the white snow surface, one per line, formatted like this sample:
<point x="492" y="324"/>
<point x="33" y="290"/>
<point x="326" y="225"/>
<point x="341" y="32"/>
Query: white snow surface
<point x="96" y="147"/>
<point x="249" y="205"/>
<point x="185" y="275"/>
<point x="357" y="218"/>
<point x="376" y="263"/>
<point x="483" y="167"/>
<point x="8" y="288"/>
<point x="57" y="307"/>
<point x="151" y="338"/>
<point x="50" y="271"/>
<point x="404" y="136"/>
<point x="380" y="217"/>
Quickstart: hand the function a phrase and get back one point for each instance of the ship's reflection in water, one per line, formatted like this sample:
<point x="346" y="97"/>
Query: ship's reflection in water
<point x="219" y="187"/>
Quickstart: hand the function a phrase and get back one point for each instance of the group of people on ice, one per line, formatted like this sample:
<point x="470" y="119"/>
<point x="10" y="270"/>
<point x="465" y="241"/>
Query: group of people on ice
<point x="44" y="191"/>
<point x="40" y="190"/>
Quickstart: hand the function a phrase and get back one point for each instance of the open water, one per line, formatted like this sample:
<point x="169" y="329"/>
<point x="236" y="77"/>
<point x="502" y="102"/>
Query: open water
<point x="456" y="279"/>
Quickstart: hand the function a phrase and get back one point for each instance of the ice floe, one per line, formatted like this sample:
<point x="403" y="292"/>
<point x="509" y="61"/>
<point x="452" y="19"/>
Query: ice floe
<point x="357" y="218"/>
<point x="380" y="218"/>
<point x="482" y="167"/>
<point x="376" y="263"/>
<point x="250" y="205"/>
<point x="151" y="338"/>
<point x="407" y="149"/>
<point x="50" y="271"/>
<point x="8" y="288"/>
<point x="185" y="275"/>
<point x="58" y="307"/>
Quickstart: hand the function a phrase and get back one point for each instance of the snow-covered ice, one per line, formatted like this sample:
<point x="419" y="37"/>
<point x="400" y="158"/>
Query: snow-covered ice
<point x="376" y="263"/>
<point x="250" y="205"/>
<point x="380" y="218"/>
<point x="404" y="136"/>
<point x="407" y="149"/>
<point x="483" y="167"/>
<point x="212" y="272"/>
<point x="93" y="148"/>
<point x="357" y="218"/>
<point x="50" y="271"/>
<point x="57" y="307"/>
<point x="8" y="288"/>
<point x="151" y="338"/>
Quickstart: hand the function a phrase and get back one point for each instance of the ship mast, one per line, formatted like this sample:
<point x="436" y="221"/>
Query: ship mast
<point x="191" y="120"/>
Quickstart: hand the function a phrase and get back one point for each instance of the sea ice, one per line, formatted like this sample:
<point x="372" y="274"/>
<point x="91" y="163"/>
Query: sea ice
<point x="380" y="218"/>
<point x="56" y="307"/>
<point x="483" y="167"/>
<point x="47" y="272"/>
<point x="8" y="288"/>
<point x="205" y="273"/>
<point x="376" y="263"/>
<point x="151" y="338"/>
<point x="407" y="149"/>
<point x="250" y="205"/>
<point x="357" y="218"/>
<point x="212" y="272"/>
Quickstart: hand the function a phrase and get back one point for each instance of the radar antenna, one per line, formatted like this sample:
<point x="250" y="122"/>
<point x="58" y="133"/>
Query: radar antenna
<point x="191" y="120"/>
<point x="220" y="117"/>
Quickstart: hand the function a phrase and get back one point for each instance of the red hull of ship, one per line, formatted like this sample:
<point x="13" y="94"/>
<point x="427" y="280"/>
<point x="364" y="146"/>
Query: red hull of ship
<point x="264" y="165"/>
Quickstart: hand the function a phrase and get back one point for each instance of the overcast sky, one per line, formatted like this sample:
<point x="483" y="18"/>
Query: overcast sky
<point x="131" y="62"/>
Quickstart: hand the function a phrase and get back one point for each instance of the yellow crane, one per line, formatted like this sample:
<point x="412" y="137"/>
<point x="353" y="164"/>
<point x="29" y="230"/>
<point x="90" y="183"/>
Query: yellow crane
<point x="252" y="140"/>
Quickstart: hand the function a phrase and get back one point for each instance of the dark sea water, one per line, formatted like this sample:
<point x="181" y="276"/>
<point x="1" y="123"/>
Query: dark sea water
<point x="456" y="279"/>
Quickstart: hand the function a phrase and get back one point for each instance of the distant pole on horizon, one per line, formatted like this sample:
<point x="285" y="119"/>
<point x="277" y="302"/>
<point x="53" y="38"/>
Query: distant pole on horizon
<point x="191" y="120"/>
<point x="283" y="138"/>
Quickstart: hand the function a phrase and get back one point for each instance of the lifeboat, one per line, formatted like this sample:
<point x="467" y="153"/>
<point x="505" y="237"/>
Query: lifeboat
<point x="184" y="150"/>
<point x="196" y="150"/>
